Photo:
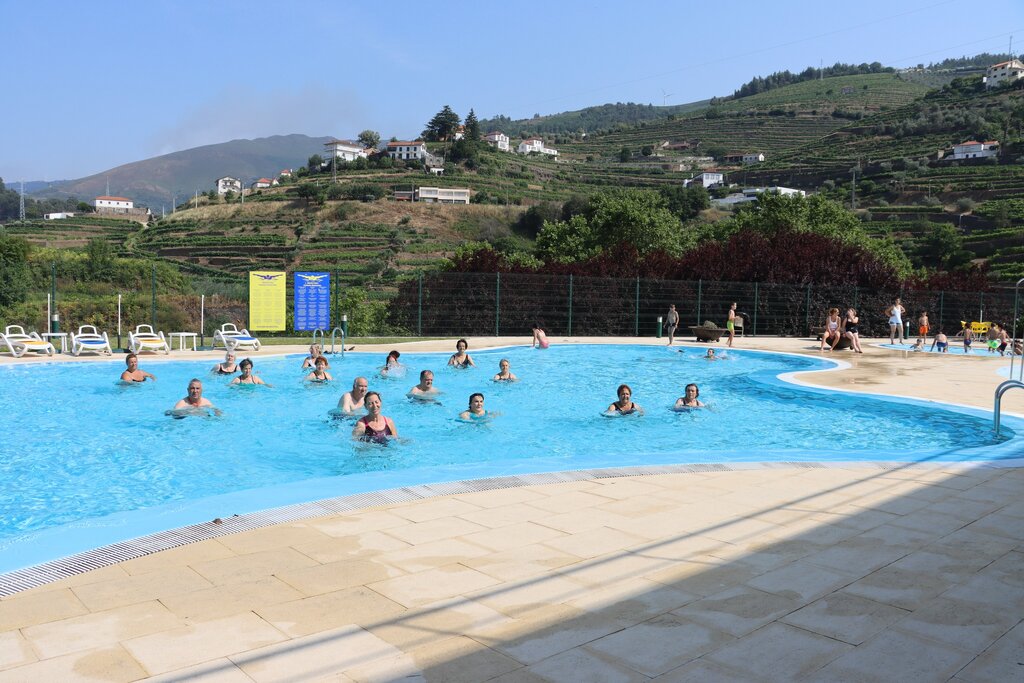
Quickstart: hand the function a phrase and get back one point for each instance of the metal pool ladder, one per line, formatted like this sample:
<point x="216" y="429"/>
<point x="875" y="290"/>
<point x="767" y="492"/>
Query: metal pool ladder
<point x="1011" y="383"/>
<point x="334" y="332"/>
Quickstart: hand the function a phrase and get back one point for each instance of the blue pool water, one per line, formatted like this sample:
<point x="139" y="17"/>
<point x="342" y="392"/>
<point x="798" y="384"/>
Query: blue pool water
<point x="88" y="461"/>
<point x="956" y="348"/>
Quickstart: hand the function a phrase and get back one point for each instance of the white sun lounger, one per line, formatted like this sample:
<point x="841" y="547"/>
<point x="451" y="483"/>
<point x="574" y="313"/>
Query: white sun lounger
<point x="233" y="339"/>
<point x="19" y="343"/>
<point x="145" y="339"/>
<point x="89" y="338"/>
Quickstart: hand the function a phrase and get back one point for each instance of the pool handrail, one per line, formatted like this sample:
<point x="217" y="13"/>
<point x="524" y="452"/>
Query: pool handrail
<point x="1010" y="383"/>
<point x="333" y="334"/>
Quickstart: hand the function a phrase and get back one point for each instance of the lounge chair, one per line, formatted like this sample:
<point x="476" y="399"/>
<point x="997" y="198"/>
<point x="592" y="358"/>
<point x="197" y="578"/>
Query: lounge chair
<point x="145" y="339"/>
<point x="233" y="339"/>
<point x="19" y="343"/>
<point x="89" y="338"/>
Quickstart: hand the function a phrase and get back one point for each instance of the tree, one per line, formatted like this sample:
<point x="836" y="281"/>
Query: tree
<point x="314" y="163"/>
<point x="99" y="256"/>
<point x="308" y="191"/>
<point x="625" y="154"/>
<point x="15" y="275"/>
<point x="638" y="217"/>
<point x="443" y="126"/>
<point x="82" y="207"/>
<point x="472" y="127"/>
<point x="566" y="242"/>
<point x="647" y="150"/>
<point x="369" y="138"/>
<point x="685" y="202"/>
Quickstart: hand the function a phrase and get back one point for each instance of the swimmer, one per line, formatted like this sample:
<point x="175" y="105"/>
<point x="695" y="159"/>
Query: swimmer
<point x="195" y="399"/>
<point x="461" y="359"/>
<point x="320" y="373"/>
<point x="476" y="408"/>
<point x="1003" y="339"/>
<point x="625" y="405"/>
<point x="968" y="334"/>
<point x="690" y="400"/>
<point x="540" y="340"/>
<point x="941" y="342"/>
<point x="425" y="390"/>
<point x="133" y="374"/>
<point x="314" y="353"/>
<point x="351" y="401"/>
<point x="710" y="355"/>
<point x="247" y="377"/>
<point x="228" y="367"/>
<point x="504" y="374"/>
<point x="374" y="428"/>
<point x="918" y="345"/>
<point x="391" y="365"/>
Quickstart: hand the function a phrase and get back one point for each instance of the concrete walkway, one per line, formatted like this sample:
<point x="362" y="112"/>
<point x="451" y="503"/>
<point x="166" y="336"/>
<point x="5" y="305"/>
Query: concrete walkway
<point x="859" y="572"/>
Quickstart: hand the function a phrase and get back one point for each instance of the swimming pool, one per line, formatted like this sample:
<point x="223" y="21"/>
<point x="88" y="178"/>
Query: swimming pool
<point x="956" y="348"/>
<point x="88" y="461"/>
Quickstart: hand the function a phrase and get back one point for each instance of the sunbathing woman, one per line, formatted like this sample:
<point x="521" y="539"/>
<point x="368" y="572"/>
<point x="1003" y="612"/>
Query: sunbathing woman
<point x="850" y="329"/>
<point x="625" y="405"/>
<point x="374" y="428"/>
<point x="247" y="377"/>
<point x="504" y="374"/>
<point x="228" y="367"/>
<point x="690" y="400"/>
<point x="319" y="373"/>
<point x="461" y="359"/>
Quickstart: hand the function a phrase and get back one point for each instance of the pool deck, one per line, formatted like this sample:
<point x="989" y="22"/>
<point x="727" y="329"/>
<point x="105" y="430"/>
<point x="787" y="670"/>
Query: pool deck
<point x="865" y="572"/>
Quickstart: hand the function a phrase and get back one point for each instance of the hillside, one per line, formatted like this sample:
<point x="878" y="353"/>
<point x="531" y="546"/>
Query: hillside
<point x="154" y="182"/>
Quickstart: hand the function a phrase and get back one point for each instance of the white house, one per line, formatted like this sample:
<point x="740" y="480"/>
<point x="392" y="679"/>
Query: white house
<point x="407" y="150"/>
<point x="750" y="194"/>
<point x="1004" y="72"/>
<point x="285" y="173"/>
<point x="972" y="149"/>
<point x="263" y="183"/>
<point x="460" y="132"/>
<point x="536" y="145"/>
<point x="754" y="158"/>
<point x="346" y="150"/>
<point x="497" y="139"/>
<point x="707" y="179"/>
<point x="58" y="215"/>
<point x="229" y="184"/>
<point x="745" y="158"/>
<point x="443" y="195"/>
<point x="107" y="204"/>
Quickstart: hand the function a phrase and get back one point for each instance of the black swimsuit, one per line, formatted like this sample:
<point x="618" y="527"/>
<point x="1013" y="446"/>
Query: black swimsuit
<point x="851" y="327"/>
<point x="632" y="409"/>
<point x="222" y="371"/>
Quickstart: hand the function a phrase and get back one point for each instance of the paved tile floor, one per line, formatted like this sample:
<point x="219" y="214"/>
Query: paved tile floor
<point x="853" y="573"/>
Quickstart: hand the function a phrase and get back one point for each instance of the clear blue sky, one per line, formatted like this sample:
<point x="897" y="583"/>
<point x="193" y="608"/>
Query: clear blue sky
<point x="91" y="85"/>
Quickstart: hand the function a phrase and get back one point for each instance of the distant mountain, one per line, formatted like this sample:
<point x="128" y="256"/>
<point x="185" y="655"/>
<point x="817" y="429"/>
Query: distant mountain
<point x="154" y="182"/>
<point x="30" y="185"/>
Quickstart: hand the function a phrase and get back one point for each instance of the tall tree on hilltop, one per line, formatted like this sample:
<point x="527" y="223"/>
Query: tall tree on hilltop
<point x="443" y="126"/>
<point x="472" y="127"/>
<point x="369" y="138"/>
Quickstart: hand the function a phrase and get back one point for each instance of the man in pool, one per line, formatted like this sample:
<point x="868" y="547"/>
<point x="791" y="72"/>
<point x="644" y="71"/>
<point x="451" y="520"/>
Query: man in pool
<point x="194" y="399"/>
<point x="941" y="342"/>
<point x="425" y="390"/>
<point x="133" y="373"/>
<point x="351" y="401"/>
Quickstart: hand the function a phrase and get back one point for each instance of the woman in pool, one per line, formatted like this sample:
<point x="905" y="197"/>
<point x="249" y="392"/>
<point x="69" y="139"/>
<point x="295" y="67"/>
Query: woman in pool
<point x="228" y="367"/>
<point x="625" y="405"/>
<point x="540" y="340"/>
<point x="314" y="353"/>
<point x="461" y="359"/>
<point x="710" y="355"/>
<point x="391" y="365"/>
<point x="319" y="373"/>
<point x="374" y="428"/>
<point x="831" y="335"/>
<point x="504" y="374"/>
<point x="690" y="400"/>
<point x="476" y="408"/>
<point x="247" y="377"/>
<point x="851" y="330"/>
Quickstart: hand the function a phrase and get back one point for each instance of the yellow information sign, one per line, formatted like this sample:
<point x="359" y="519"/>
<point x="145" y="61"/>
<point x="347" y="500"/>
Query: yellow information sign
<point x="267" y="292"/>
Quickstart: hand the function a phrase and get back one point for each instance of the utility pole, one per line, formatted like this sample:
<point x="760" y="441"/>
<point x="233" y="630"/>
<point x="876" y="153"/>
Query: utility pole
<point x="853" y="188"/>
<point x="197" y="199"/>
<point x="174" y="203"/>
<point x="21" y="204"/>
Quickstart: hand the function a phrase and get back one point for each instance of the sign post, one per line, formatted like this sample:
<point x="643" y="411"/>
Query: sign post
<point x="312" y="301"/>
<point x="267" y="300"/>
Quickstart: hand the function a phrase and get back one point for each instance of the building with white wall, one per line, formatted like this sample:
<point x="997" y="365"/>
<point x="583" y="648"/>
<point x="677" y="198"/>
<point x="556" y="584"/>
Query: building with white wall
<point x="530" y="145"/>
<point x="707" y="179"/>
<point x="406" y="151"/>
<point x="106" y="204"/>
<point x="1004" y="73"/>
<point x="229" y="184"/>
<point x="443" y="195"/>
<point x="497" y="139"/>
<point x="972" y="149"/>
<point x="346" y="150"/>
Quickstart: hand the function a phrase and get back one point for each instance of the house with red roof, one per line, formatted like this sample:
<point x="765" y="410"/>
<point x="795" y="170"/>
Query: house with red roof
<point x="108" y="204"/>
<point x="972" y="149"/>
<point x="1004" y="73"/>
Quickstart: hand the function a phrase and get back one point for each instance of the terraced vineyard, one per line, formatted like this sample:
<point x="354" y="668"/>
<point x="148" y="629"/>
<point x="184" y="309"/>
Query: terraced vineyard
<point x="75" y="232"/>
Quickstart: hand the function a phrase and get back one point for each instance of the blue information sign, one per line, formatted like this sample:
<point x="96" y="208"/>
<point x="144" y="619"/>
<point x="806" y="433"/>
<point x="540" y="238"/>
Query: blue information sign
<point x="312" y="301"/>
